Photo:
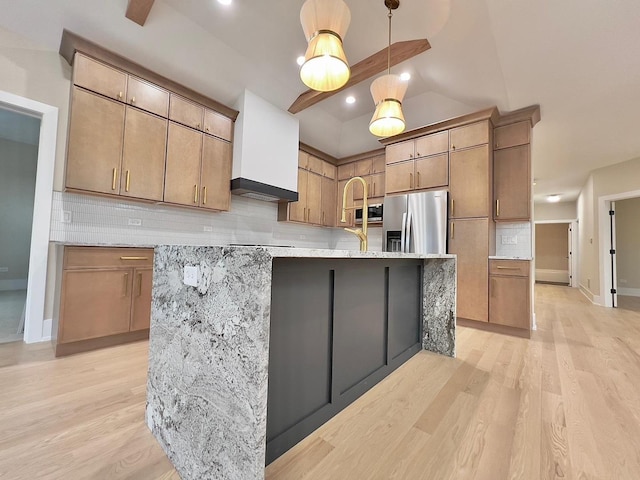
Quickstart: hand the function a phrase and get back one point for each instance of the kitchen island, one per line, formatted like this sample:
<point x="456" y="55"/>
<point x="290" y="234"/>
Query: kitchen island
<point x="272" y="342"/>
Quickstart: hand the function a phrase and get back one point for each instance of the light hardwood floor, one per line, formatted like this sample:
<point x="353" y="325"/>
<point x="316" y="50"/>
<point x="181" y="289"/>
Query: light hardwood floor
<point x="565" y="405"/>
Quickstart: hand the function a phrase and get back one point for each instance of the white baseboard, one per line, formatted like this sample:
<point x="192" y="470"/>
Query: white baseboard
<point x="630" y="292"/>
<point x="549" y="275"/>
<point x="13" y="284"/>
<point x="595" y="299"/>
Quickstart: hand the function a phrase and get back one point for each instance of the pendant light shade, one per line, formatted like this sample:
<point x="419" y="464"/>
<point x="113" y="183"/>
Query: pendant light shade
<point x="388" y="92"/>
<point x="325" y="23"/>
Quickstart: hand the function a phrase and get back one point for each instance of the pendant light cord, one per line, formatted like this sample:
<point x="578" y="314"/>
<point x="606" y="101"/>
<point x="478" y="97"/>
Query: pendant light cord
<point x="389" y="48"/>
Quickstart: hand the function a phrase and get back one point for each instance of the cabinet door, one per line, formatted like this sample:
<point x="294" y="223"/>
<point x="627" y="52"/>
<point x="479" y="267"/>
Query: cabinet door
<point x="363" y="167"/>
<point x="143" y="157"/>
<point x="379" y="163"/>
<point x="511" y="135"/>
<point x="511" y="183"/>
<point x="315" y="165"/>
<point x="346" y="171"/>
<point x="185" y="112"/>
<point x="95" y="143"/>
<point x="218" y="125"/>
<point x="95" y="303"/>
<point x="303" y="159"/>
<point x="328" y="202"/>
<point x="349" y="215"/>
<point x="298" y="210"/>
<point x="329" y="170"/>
<point x="469" y="182"/>
<point x="399" y="177"/>
<point x="399" y="152"/>
<point x="432" y="144"/>
<point x="376" y="185"/>
<point x="314" y="199"/>
<point x="216" y="174"/>
<point x="141" y="307"/>
<point x="98" y="77"/>
<point x="469" y="135"/>
<point x="147" y="96"/>
<point x="432" y="171"/>
<point x="469" y="240"/>
<point x="509" y="301"/>
<point x="184" y="151"/>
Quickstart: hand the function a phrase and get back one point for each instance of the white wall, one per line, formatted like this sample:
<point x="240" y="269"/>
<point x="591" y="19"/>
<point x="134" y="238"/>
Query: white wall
<point x="555" y="211"/>
<point x="17" y="186"/>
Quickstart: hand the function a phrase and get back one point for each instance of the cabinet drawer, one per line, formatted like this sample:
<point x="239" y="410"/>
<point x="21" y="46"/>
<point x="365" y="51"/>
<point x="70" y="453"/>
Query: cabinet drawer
<point x="218" y="125"/>
<point x="346" y="171"/>
<point x="432" y="144"/>
<point x="185" y="112"/>
<point x="469" y="135"/>
<point x="512" y="268"/>
<point x="147" y="96"/>
<point x="511" y="135"/>
<point x="98" y="77"/>
<point x="315" y="165"/>
<point x="363" y="167"/>
<point x="100" y="257"/>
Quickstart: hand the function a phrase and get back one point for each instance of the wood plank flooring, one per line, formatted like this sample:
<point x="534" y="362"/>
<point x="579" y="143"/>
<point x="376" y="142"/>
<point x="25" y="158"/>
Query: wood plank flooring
<point x="563" y="405"/>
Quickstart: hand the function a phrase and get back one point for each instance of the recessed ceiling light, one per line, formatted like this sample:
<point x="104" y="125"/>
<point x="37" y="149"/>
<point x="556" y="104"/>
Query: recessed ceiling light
<point x="350" y="99"/>
<point x="553" y="198"/>
<point x="300" y="60"/>
<point x="225" y="2"/>
<point x="406" y="76"/>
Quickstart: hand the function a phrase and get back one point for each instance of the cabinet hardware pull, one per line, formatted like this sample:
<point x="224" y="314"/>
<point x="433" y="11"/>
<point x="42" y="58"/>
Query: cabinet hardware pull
<point x="411" y="155"/>
<point x="126" y="285"/>
<point x="508" y="268"/>
<point x="453" y="229"/>
<point x="452" y="208"/>
<point x="120" y="96"/>
<point x="308" y="214"/>
<point x="418" y="175"/>
<point x="134" y="258"/>
<point x="497" y="208"/>
<point x="139" y="285"/>
<point x="374" y="189"/>
<point x="453" y="147"/>
<point x="204" y="195"/>
<point x="195" y="194"/>
<point x="323" y="218"/>
<point x="197" y="125"/>
<point x="411" y="180"/>
<point x="207" y="129"/>
<point x="133" y="100"/>
<point x="417" y="154"/>
<point x="126" y="187"/>
<point x="113" y="180"/>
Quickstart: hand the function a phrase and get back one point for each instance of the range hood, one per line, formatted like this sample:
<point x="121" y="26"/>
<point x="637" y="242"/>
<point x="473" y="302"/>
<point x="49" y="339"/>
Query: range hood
<point x="265" y="151"/>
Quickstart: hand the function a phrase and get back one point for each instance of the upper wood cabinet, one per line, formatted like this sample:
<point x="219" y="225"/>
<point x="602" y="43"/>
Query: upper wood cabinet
<point x="432" y="171"/>
<point x="512" y="184"/>
<point x="399" y="177"/>
<point x="329" y="200"/>
<point x="346" y="171"/>
<point x="182" y="175"/>
<point x="363" y="167"/>
<point x="186" y="112"/>
<point x="94" y="151"/>
<point x="512" y="135"/>
<point x="419" y="147"/>
<point x="215" y="176"/>
<point x="399" y="152"/>
<point x="99" y="77"/>
<point x="378" y="164"/>
<point x="147" y="96"/>
<point x="297" y="211"/>
<point x="469" y="182"/>
<point x="218" y="125"/>
<point x="469" y="135"/>
<point x="329" y="170"/>
<point x="350" y="213"/>
<point x="315" y="165"/>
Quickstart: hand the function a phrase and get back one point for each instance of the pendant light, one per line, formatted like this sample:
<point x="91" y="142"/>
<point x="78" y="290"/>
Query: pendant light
<point x="325" y="23"/>
<point x="388" y="92"/>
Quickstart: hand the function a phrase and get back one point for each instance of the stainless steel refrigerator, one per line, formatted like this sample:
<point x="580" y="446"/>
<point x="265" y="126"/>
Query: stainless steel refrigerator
<point x="415" y="223"/>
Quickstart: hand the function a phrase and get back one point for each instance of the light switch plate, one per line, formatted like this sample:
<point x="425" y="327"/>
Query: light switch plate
<point x="191" y="275"/>
<point x="136" y="222"/>
<point x="66" y="216"/>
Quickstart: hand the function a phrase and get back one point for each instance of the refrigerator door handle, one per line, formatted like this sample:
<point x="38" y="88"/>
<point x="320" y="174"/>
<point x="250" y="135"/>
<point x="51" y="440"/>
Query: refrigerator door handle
<point x="403" y="232"/>
<point x="408" y="233"/>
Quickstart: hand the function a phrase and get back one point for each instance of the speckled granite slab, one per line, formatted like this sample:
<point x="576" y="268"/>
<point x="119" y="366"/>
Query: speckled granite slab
<point x="209" y="351"/>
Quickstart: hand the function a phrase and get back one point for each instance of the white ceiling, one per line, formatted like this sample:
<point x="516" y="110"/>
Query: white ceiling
<point x="576" y="58"/>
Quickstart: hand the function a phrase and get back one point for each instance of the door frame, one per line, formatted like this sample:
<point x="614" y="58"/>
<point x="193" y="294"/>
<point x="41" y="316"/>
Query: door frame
<point x="35" y="329"/>
<point x="575" y="265"/>
<point x="604" y="257"/>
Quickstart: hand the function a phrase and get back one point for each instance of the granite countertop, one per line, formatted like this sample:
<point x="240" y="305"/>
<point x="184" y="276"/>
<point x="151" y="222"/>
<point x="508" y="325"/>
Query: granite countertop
<point x="327" y="253"/>
<point x="507" y="257"/>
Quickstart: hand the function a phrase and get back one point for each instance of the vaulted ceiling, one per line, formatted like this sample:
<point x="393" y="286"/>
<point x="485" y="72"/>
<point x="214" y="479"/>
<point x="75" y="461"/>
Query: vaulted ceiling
<point x="576" y="58"/>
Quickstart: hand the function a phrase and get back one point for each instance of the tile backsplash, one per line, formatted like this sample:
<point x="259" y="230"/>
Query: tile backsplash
<point x="86" y="219"/>
<point x="513" y="239"/>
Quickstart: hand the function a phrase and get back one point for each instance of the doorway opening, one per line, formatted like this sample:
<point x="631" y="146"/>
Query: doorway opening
<point x="554" y="253"/>
<point x="625" y="248"/>
<point x="19" y="138"/>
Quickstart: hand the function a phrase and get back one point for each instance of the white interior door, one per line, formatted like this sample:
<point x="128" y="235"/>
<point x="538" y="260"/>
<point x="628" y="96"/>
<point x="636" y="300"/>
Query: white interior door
<point x="570" y="254"/>
<point x="612" y="252"/>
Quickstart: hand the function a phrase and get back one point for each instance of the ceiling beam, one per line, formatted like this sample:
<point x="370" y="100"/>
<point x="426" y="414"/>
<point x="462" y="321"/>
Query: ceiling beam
<point x="138" y="10"/>
<point x="365" y="69"/>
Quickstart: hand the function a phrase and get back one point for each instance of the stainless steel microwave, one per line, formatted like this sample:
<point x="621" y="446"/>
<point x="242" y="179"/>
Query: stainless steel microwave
<point x="374" y="213"/>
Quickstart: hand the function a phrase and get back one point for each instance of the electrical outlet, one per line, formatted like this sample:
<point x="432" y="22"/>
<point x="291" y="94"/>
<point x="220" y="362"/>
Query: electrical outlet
<point x="191" y="275"/>
<point x="208" y="228"/>
<point x="4" y="269"/>
<point x="135" y="222"/>
<point x="509" y="240"/>
<point x="514" y="240"/>
<point x="66" y="216"/>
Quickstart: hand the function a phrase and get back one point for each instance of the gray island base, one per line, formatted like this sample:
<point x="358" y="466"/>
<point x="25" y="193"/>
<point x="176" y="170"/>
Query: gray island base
<point x="272" y="342"/>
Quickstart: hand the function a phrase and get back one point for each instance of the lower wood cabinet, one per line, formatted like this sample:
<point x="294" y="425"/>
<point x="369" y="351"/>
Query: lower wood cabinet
<point x="105" y="297"/>
<point x="469" y="240"/>
<point x="510" y="293"/>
